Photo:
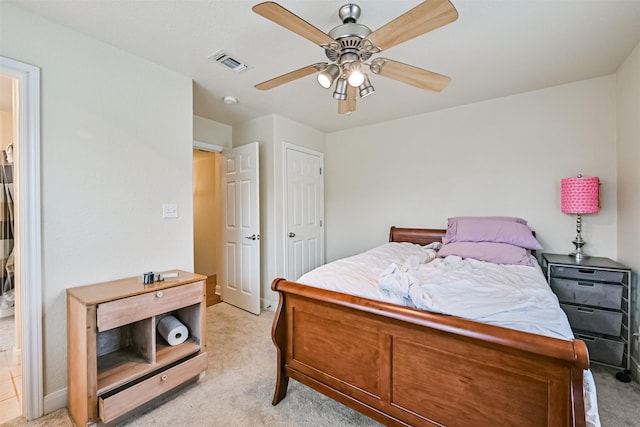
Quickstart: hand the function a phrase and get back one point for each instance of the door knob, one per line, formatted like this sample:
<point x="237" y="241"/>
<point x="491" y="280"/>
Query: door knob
<point x="252" y="237"/>
<point x="292" y="234"/>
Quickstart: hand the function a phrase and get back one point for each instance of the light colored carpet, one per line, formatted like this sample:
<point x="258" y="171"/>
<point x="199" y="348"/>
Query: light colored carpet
<point x="238" y="387"/>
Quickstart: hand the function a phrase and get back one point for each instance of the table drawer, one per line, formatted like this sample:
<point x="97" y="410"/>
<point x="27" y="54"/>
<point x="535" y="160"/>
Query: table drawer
<point x="593" y="319"/>
<point x="128" y="310"/>
<point x="118" y="404"/>
<point x="601" y="349"/>
<point x="587" y="274"/>
<point x="588" y="293"/>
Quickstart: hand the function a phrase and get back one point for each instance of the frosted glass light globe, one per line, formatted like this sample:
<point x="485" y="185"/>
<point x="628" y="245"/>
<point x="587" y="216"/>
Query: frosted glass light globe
<point x="324" y="80"/>
<point x="356" y="78"/>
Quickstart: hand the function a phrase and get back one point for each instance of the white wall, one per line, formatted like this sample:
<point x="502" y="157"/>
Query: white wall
<point x="628" y="127"/>
<point x="212" y="132"/>
<point x="116" y="136"/>
<point x="500" y="157"/>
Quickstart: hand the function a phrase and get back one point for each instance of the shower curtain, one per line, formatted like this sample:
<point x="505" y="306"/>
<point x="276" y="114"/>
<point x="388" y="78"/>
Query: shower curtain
<point x="7" y="297"/>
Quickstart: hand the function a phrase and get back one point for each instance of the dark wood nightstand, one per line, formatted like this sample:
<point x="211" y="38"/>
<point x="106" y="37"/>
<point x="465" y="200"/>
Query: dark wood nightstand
<point x="594" y="293"/>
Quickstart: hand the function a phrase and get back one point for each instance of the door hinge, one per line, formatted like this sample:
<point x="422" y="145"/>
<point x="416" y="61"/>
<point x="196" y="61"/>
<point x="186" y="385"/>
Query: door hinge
<point x="320" y="223"/>
<point x="320" y="171"/>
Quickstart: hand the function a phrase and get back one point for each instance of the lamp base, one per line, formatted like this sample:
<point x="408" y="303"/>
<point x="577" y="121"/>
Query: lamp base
<point x="578" y="242"/>
<point x="579" y="256"/>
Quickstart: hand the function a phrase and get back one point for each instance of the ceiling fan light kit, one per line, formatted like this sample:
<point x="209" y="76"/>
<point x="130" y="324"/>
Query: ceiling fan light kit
<point x="366" y="88"/>
<point x="328" y="75"/>
<point x="350" y="45"/>
<point x="341" y="89"/>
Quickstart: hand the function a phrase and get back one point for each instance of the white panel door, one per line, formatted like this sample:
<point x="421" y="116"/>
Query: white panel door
<point x="304" y="211"/>
<point x="241" y="252"/>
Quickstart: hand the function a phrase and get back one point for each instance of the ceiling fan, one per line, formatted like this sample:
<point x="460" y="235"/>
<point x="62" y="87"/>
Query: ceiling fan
<point x="350" y="45"/>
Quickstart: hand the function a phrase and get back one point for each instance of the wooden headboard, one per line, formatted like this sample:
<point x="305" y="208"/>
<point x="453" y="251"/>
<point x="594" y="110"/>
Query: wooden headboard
<point x="421" y="236"/>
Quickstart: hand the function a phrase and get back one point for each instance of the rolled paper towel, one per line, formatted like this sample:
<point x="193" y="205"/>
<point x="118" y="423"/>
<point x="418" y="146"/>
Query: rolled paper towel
<point x="172" y="330"/>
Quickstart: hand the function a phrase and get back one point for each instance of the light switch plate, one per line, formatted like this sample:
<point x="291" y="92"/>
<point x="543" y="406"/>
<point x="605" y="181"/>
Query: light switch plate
<point x="169" y="210"/>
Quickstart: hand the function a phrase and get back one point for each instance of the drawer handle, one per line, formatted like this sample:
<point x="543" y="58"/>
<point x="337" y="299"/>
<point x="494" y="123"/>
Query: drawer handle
<point x="159" y="294"/>
<point x="583" y="271"/>
<point x="585" y="310"/>
<point x="164" y="377"/>
<point x="591" y="284"/>
<point x="585" y="338"/>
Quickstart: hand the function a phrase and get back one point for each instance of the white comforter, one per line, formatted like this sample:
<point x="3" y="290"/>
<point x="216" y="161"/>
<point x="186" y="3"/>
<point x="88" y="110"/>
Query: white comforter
<point x="512" y="296"/>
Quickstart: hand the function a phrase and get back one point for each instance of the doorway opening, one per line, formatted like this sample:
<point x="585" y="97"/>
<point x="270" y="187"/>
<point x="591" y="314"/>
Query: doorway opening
<point x="28" y="233"/>
<point x="207" y="220"/>
<point x="10" y="328"/>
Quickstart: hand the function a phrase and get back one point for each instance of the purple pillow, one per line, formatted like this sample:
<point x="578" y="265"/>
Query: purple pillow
<point x="497" y="231"/>
<point x="452" y="224"/>
<point x="498" y="253"/>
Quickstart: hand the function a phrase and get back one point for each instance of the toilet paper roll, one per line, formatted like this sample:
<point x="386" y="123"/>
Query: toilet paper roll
<point x="172" y="330"/>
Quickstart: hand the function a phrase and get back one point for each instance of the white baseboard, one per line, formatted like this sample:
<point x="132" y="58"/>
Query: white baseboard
<point x="56" y="400"/>
<point x="15" y="356"/>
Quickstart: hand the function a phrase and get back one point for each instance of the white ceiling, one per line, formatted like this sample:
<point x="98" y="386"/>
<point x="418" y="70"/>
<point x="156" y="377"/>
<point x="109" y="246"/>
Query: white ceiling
<point x="495" y="48"/>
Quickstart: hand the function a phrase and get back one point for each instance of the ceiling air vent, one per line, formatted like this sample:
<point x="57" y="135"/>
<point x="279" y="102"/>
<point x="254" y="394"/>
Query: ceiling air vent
<point x="228" y="60"/>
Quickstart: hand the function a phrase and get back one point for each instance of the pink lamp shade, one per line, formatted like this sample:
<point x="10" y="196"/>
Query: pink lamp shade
<point x="580" y="195"/>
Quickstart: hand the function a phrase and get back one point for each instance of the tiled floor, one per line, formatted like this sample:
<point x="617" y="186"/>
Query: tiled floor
<point x="10" y="387"/>
<point x="7" y="332"/>
<point x="10" y="373"/>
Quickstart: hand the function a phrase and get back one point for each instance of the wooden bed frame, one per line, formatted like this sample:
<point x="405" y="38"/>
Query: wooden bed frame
<point x="402" y="366"/>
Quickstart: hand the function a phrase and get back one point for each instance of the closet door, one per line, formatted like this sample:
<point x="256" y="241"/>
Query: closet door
<point x="304" y="209"/>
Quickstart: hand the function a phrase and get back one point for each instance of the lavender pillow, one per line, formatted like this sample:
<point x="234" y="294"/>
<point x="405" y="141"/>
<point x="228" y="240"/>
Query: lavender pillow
<point x="498" y="253"/>
<point x="497" y="231"/>
<point x="452" y="224"/>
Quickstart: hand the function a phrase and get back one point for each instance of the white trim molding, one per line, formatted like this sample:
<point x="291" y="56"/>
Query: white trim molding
<point x="57" y="400"/>
<point x="29" y="262"/>
<point x="205" y="146"/>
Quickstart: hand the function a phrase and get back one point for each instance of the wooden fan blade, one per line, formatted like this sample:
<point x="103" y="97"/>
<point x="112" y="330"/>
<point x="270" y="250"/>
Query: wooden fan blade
<point x="414" y="76"/>
<point x="349" y="104"/>
<point x="286" y="78"/>
<point x="425" y="17"/>
<point x="281" y="16"/>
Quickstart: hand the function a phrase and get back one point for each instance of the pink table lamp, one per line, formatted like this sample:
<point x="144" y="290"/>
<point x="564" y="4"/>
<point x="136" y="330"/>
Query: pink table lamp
<point x="580" y="195"/>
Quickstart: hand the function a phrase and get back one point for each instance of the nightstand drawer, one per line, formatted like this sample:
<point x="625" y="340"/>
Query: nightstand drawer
<point x="128" y="310"/>
<point x="113" y="406"/>
<point x="601" y="349"/>
<point x="587" y="274"/>
<point x="588" y="293"/>
<point x="593" y="319"/>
